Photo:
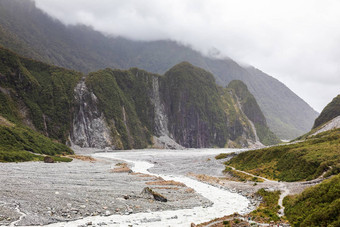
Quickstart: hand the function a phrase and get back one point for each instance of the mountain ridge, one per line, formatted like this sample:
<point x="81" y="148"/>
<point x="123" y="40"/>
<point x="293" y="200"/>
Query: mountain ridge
<point x="125" y="109"/>
<point x="83" y="49"/>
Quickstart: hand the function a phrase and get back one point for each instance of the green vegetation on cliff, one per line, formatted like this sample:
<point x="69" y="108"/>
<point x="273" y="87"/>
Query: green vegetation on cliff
<point x="38" y="93"/>
<point x="123" y="97"/>
<point x="299" y="161"/>
<point x="316" y="206"/>
<point x="194" y="107"/>
<point x="199" y="112"/>
<point x="252" y="110"/>
<point x="331" y="111"/>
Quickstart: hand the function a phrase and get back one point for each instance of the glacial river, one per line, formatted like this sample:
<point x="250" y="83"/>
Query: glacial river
<point x="224" y="202"/>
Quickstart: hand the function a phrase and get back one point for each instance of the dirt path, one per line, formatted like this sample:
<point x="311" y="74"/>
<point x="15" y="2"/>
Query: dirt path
<point x="286" y="188"/>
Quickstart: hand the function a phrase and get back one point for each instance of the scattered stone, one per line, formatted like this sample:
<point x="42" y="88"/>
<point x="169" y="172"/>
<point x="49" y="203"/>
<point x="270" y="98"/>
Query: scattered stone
<point x="147" y="192"/>
<point x="107" y="213"/>
<point x="89" y="223"/>
<point x="48" y="159"/>
<point x="146" y="220"/>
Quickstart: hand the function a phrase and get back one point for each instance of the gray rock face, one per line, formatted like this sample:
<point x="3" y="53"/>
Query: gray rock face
<point x="162" y="138"/>
<point x="161" y="119"/>
<point x="89" y="126"/>
<point x="332" y="124"/>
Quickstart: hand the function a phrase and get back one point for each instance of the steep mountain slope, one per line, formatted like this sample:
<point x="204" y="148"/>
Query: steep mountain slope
<point x="252" y="110"/>
<point x="331" y="111"/>
<point x="185" y="105"/>
<point x="328" y="119"/>
<point x="125" y="109"/>
<point x="37" y="94"/>
<point x="317" y="153"/>
<point x="210" y="114"/>
<point x="33" y="96"/>
<point x="30" y="32"/>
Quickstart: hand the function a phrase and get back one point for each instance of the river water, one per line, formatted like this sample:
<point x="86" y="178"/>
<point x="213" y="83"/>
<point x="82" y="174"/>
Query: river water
<point x="173" y="165"/>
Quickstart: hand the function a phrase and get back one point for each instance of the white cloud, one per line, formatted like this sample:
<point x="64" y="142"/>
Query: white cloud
<point x="294" y="41"/>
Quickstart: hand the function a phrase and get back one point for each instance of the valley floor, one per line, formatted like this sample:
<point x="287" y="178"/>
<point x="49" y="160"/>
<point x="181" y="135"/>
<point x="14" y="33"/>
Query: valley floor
<point x="42" y="193"/>
<point x="36" y="193"/>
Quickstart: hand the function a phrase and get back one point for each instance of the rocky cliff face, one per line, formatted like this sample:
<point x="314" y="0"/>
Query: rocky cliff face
<point x="203" y="114"/>
<point x="123" y="109"/>
<point x="183" y="108"/>
<point x="251" y="109"/>
<point x="89" y="125"/>
<point x="161" y="118"/>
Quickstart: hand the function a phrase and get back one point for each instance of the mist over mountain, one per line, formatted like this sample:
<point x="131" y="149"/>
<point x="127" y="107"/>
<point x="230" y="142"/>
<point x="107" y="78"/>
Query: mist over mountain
<point x="32" y="33"/>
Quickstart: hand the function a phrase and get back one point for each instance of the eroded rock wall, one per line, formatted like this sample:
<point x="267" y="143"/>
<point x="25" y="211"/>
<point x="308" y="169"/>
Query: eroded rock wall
<point x="89" y="126"/>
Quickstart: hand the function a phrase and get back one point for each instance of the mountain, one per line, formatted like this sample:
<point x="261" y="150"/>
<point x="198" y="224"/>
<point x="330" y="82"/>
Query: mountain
<point x="31" y="33"/>
<point x="253" y="112"/>
<point x="311" y="155"/>
<point x="126" y="109"/>
<point x="331" y="111"/>
<point x="33" y="97"/>
<point x="328" y="119"/>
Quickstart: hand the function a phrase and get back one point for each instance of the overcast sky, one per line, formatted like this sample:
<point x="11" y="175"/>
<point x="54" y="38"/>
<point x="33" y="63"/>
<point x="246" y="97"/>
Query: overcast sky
<point x="295" y="41"/>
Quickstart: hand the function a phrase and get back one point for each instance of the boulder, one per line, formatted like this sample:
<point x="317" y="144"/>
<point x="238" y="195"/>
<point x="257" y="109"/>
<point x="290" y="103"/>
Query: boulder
<point x="48" y="159"/>
<point x="149" y="193"/>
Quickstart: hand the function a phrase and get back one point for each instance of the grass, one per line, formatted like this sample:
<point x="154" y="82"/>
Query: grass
<point x="267" y="211"/>
<point x="316" y="206"/>
<point x="224" y="155"/>
<point x="19" y="144"/>
<point x="295" y="162"/>
<point x="239" y="176"/>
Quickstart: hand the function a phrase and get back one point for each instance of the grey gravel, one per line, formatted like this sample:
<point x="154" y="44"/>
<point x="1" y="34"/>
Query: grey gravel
<point x="53" y="192"/>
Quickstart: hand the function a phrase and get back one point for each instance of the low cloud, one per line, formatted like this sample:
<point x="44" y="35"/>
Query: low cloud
<point x="297" y="42"/>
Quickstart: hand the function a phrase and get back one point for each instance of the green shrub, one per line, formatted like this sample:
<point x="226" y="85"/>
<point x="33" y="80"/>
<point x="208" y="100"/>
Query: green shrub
<point x="19" y="143"/>
<point x="316" y="206"/>
<point x="300" y="161"/>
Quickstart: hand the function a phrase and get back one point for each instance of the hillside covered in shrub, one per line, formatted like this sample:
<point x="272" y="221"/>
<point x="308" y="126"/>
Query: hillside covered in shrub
<point x="294" y="162"/>
<point x="316" y="206"/>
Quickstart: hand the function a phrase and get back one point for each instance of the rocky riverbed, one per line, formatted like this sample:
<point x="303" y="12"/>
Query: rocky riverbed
<point x="43" y="193"/>
<point x="36" y="193"/>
